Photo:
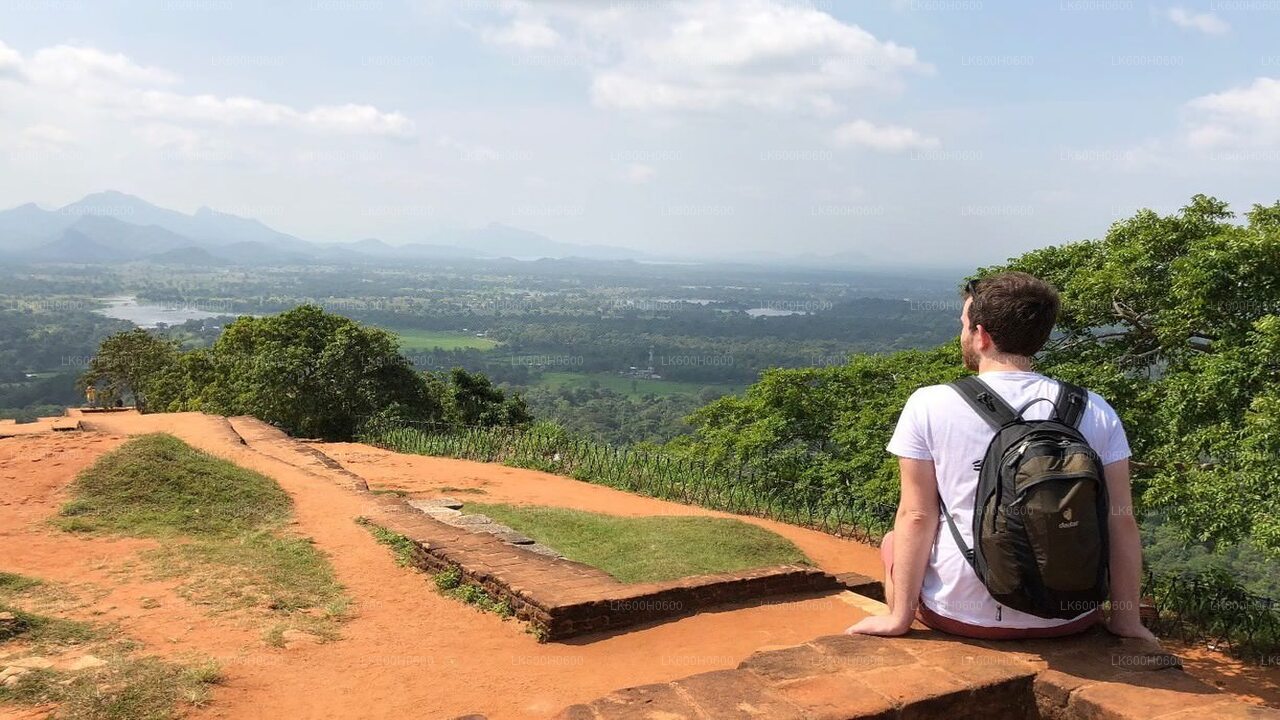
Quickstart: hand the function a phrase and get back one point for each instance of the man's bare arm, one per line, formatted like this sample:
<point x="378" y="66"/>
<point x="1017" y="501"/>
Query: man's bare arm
<point x="1126" y="555"/>
<point x="914" y="531"/>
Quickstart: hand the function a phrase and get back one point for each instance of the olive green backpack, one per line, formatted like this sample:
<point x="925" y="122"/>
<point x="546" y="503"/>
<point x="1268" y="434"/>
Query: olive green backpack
<point x="1040" y="512"/>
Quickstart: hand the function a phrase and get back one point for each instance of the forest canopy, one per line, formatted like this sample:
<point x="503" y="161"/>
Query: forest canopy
<point x="312" y="373"/>
<point x="1174" y="319"/>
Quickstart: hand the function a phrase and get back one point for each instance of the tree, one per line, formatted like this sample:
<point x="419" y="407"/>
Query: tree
<point x="819" y="433"/>
<point x="1174" y="319"/>
<point x="474" y="400"/>
<point x="312" y="373"/>
<point x="127" y="364"/>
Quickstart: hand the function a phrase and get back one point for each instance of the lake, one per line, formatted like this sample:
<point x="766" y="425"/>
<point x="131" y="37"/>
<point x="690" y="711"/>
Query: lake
<point x="149" y="316"/>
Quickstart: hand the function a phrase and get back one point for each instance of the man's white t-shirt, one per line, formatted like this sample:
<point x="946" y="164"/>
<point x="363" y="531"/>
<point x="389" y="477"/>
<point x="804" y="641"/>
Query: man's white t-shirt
<point x="937" y="424"/>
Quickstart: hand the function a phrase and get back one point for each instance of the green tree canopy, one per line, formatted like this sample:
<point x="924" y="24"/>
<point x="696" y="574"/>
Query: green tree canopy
<point x="127" y="362"/>
<point x="312" y="373"/>
<point x="1174" y="319"/>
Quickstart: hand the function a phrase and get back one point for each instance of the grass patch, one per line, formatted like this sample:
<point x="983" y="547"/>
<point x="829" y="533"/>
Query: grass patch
<point x="124" y="689"/>
<point x="648" y="549"/>
<point x="634" y="388"/>
<point x="442" y="340"/>
<point x="402" y="547"/>
<point x="395" y="492"/>
<point x="158" y="486"/>
<point x="12" y="583"/>
<point x="279" y="573"/>
<point x="449" y="582"/>
<point x="221" y="529"/>
<point x="43" y="630"/>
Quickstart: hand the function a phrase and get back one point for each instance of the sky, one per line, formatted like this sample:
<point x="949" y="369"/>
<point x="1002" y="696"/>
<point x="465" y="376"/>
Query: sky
<point x="931" y="132"/>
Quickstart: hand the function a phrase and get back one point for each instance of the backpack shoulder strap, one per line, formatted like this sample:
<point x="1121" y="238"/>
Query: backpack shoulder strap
<point x="1071" y="402"/>
<point x="985" y="401"/>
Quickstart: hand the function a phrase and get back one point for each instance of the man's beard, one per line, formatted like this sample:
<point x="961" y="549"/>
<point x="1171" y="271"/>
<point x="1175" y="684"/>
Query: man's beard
<point x="969" y="356"/>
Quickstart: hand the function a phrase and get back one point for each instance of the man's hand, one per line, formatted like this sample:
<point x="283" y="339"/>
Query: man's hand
<point x="886" y="625"/>
<point x="1130" y="629"/>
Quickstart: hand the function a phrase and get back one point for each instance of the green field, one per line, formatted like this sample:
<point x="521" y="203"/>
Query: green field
<point x="442" y="340"/>
<point x="630" y="387"/>
<point x="648" y="549"/>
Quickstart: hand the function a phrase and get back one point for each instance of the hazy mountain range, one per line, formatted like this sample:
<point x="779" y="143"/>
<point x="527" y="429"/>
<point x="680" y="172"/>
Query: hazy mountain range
<point x="112" y="227"/>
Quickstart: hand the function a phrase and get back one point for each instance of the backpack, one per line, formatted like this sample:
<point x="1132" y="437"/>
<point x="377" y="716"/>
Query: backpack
<point x="1040" y="513"/>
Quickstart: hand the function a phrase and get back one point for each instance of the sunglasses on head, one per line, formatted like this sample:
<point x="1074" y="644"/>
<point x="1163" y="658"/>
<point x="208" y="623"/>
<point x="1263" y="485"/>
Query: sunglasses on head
<point x="971" y="288"/>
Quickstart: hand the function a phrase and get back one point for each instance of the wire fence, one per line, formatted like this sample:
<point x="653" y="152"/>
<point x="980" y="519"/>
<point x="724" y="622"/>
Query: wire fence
<point x="1212" y="608"/>
<point x="1209" y="608"/>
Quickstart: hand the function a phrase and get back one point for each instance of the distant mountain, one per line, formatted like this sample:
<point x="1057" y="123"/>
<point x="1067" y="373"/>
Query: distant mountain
<point x="29" y="225"/>
<point x="187" y="256"/>
<point x="111" y="226"/>
<point x="373" y="247"/>
<point x="206" y="226"/>
<point x="72" y="243"/>
<point x="498" y="240"/>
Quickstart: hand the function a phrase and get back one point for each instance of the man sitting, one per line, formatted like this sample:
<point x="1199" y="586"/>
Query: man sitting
<point x="941" y="443"/>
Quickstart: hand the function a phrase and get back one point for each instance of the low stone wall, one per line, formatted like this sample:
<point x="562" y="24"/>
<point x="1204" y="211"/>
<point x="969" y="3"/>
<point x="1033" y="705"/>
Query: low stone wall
<point x="562" y="598"/>
<point x="925" y="674"/>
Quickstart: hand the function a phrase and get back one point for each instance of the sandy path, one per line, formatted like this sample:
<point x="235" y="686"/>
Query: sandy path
<point x="411" y="652"/>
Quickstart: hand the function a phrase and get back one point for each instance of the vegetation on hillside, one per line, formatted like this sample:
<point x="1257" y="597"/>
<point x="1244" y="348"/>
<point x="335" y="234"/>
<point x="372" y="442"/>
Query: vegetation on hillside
<point x="1175" y="319"/>
<point x="309" y="372"/>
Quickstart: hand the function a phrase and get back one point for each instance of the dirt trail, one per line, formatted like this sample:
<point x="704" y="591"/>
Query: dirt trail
<point x="407" y="651"/>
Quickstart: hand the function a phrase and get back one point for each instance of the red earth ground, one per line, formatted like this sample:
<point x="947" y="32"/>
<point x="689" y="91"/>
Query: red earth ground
<point x="406" y="650"/>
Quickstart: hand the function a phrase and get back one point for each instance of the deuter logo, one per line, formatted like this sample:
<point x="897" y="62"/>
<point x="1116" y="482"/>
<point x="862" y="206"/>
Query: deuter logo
<point x="1066" y="515"/>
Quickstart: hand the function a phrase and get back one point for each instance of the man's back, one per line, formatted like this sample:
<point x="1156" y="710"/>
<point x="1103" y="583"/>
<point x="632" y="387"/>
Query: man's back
<point x="938" y="425"/>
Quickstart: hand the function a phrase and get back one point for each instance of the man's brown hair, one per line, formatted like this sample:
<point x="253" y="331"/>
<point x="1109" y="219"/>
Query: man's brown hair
<point x="1017" y="310"/>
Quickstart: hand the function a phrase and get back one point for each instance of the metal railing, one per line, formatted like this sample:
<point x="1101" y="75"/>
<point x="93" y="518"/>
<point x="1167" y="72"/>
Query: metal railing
<point x="1212" y="608"/>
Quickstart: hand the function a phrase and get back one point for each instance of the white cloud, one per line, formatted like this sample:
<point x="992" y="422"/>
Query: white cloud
<point x="10" y="62"/>
<point x="112" y="83"/>
<point x="1207" y="23"/>
<point x="640" y="173"/>
<point x="885" y="138"/>
<point x="70" y="66"/>
<point x="1246" y="116"/>
<point x="708" y="55"/>
<point x="48" y="134"/>
<point x="523" y="34"/>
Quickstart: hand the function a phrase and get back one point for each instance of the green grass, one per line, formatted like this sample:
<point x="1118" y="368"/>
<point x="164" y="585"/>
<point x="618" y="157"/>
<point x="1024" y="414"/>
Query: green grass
<point x="222" y="529"/>
<point x="401" y="546"/>
<point x="262" y="570"/>
<point x="631" y="387"/>
<point x="42" y="630"/>
<point x="158" y="486"/>
<point x="448" y="582"/>
<point x="648" y="549"/>
<point x="14" y="583"/>
<point x="442" y="340"/>
<point x="124" y="689"/>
